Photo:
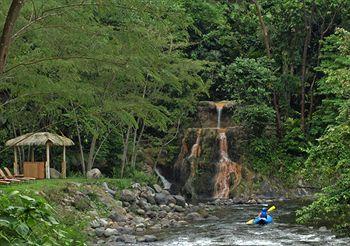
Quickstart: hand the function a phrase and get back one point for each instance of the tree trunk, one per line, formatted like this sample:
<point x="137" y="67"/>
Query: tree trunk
<point x="5" y="40"/>
<point x="137" y="144"/>
<point x="91" y="153"/>
<point x="303" y="68"/>
<point x="125" y="152"/>
<point x="323" y="33"/>
<point x="268" y="52"/>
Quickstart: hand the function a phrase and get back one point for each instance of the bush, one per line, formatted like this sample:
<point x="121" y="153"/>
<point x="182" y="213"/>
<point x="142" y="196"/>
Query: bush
<point x="28" y="221"/>
<point x="332" y="207"/>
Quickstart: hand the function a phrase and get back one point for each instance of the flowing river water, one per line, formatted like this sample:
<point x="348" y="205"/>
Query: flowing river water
<point x="231" y="229"/>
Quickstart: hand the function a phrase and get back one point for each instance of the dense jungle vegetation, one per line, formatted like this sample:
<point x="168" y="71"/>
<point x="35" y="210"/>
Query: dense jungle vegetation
<point x="122" y="78"/>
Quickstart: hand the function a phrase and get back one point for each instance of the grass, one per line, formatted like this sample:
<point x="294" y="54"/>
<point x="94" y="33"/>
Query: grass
<point x="53" y="184"/>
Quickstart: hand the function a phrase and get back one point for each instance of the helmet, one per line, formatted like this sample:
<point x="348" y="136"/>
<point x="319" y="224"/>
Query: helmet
<point x="264" y="209"/>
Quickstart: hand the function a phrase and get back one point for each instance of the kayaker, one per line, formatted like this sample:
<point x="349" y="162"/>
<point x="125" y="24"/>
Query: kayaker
<point x="263" y="213"/>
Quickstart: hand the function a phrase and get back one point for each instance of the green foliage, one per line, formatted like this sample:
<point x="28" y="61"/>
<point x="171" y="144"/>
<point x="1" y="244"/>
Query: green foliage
<point x="332" y="207"/>
<point x="25" y="220"/>
<point x="249" y="82"/>
<point x="328" y="162"/>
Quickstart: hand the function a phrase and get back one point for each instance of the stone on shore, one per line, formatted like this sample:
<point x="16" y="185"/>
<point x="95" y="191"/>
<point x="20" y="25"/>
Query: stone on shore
<point x="94" y="173"/>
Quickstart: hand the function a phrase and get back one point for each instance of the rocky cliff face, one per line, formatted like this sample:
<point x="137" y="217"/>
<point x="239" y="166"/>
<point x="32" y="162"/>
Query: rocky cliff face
<point x="209" y="164"/>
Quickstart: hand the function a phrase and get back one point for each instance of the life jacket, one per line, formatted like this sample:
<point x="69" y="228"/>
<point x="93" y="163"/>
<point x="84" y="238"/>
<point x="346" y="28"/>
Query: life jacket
<point x="263" y="214"/>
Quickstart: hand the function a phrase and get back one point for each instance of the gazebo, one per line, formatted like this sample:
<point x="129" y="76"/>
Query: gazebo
<point x="44" y="139"/>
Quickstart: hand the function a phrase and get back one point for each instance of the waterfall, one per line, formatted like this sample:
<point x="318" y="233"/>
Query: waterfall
<point x="196" y="148"/>
<point x="219" y="107"/>
<point x="219" y="110"/>
<point x="166" y="183"/>
<point x="225" y="168"/>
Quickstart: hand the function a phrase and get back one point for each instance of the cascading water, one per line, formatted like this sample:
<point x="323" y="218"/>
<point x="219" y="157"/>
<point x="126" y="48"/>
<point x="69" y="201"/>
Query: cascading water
<point x="219" y="107"/>
<point x="196" y="148"/>
<point x="205" y="169"/>
<point x="225" y="167"/>
<point x="166" y="183"/>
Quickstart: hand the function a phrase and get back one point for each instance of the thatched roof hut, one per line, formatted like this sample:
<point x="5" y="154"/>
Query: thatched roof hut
<point x="39" y="138"/>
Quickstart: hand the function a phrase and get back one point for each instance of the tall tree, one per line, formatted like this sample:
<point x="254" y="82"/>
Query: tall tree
<point x="9" y="25"/>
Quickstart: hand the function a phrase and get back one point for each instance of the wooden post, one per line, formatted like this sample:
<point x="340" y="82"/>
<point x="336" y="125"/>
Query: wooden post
<point x="32" y="154"/>
<point x="64" y="164"/>
<point x="15" y="164"/>
<point x="47" y="160"/>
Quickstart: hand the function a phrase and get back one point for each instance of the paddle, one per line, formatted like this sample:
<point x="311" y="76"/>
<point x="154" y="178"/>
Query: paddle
<point x="250" y="222"/>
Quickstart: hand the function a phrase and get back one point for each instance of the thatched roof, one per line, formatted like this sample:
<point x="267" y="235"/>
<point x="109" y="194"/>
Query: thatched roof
<point x="39" y="138"/>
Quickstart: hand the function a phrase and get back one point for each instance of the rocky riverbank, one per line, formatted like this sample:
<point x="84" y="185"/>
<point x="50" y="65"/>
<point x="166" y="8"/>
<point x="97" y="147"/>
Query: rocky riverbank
<point x="143" y="211"/>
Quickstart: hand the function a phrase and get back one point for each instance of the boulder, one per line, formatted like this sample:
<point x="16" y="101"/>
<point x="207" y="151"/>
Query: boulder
<point x="94" y="173"/>
<point x="140" y="211"/>
<point x="151" y="214"/>
<point x="151" y="190"/>
<point x="179" y="209"/>
<point x="118" y="218"/>
<point x="180" y="200"/>
<point x="127" y="196"/>
<point x="171" y="199"/>
<point x="194" y="216"/>
<point x="109" y="232"/>
<point x="99" y="231"/>
<point x="150" y="199"/>
<point x="136" y="186"/>
<point x="126" y="239"/>
<point x="54" y="174"/>
<point x="150" y="238"/>
<point x="212" y="217"/>
<point x="95" y="224"/>
<point x="157" y="188"/>
<point x="161" y="198"/>
<point x="156" y="227"/>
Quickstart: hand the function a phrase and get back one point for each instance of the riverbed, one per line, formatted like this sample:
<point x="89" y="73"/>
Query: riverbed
<point x="231" y="229"/>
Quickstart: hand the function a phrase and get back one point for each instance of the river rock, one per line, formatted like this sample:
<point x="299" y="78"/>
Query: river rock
<point x="162" y="214"/>
<point x="322" y="229"/>
<point x="109" y="232"/>
<point x="179" y="209"/>
<point x="180" y="200"/>
<point x="171" y="199"/>
<point x="99" y="231"/>
<point x="150" y="199"/>
<point x="118" y="217"/>
<point x="95" y="224"/>
<point x="150" y="238"/>
<point x="127" y="196"/>
<point x="99" y="223"/>
<point x="140" y="211"/>
<point x="161" y="198"/>
<point x="157" y="188"/>
<point x="138" y="220"/>
<point x="139" y="229"/>
<point x="194" y="216"/>
<point x="212" y="217"/>
<point x="125" y="230"/>
<point x="156" y="227"/>
<point x="126" y="239"/>
<point x="151" y="214"/>
<point x="94" y="173"/>
<point x="166" y="192"/>
<point x="151" y="190"/>
<point x="136" y="186"/>
<point x="165" y="208"/>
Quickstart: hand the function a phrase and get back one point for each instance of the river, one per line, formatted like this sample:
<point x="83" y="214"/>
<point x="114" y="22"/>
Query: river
<point x="232" y="230"/>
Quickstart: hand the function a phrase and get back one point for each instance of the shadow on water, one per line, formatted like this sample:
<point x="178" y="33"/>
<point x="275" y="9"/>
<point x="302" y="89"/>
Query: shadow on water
<point x="232" y="230"/>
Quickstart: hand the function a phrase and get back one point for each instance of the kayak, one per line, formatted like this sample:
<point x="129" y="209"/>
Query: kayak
<point x="263" y="221"/>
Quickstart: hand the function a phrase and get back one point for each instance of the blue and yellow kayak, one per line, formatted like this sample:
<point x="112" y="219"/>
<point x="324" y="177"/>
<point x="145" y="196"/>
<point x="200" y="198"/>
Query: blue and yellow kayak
<point x="263" y="221"/>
